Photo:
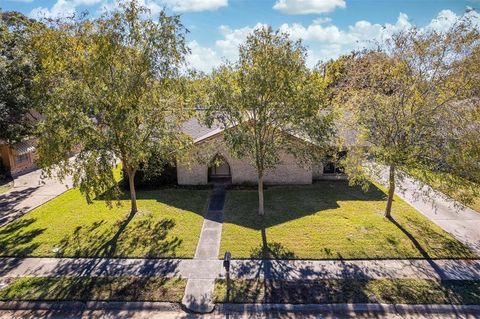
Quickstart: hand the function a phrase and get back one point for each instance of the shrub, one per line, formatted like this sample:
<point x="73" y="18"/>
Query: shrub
<point x="155" y="173"/>
<point x="4" y="174"/>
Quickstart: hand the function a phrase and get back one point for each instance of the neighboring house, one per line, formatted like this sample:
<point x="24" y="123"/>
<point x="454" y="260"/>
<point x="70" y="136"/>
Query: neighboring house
<point x="19" y="157"/>
<point x="239" y="171"/>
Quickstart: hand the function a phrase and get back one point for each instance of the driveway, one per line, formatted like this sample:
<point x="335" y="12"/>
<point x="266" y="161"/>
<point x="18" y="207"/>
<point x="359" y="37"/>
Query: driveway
<point x="29" y="191"/>
<point x="460" y="221"/>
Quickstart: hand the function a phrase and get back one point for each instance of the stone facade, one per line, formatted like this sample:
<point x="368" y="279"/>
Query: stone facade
<point x="287" y="172"/>
<point x="192" y="175"/>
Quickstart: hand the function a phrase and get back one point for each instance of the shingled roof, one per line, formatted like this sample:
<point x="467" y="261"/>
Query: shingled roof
<point x="198" y="131"/>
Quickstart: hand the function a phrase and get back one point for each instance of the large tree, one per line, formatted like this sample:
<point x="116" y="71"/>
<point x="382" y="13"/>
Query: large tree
<point x="397" y="97"/>
<point x="18" y="66"/>
<point x="113" y="92"/>
<point x="265" y="99"/>
<point x="461" y="134"/>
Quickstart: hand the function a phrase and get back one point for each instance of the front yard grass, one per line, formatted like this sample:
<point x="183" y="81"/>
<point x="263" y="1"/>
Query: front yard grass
<point x="394" y="291"/>
<point x="330" y="220"/>
<point x="5" y="185"/>
<point x="94" y="288"/>
<point x="168" y="224"/>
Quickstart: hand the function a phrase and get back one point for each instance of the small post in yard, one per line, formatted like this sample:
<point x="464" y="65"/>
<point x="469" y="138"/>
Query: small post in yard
<point x="226" y="264"/>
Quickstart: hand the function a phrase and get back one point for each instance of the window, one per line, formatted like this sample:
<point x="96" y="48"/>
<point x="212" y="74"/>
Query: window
<point x="331" y="167"/>
<point x="19" y="159"/>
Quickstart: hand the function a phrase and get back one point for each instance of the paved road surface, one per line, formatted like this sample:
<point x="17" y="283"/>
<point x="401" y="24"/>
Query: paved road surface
<point x="29" y="191"/>
<point x="460" y="221"/>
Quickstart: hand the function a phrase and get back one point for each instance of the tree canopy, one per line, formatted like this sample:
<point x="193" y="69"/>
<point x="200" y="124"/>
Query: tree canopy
<point x="113" y="92"/>
<point x="18" y="66"/>
<point x="265" y="99"/>
<point x="398" y="96"/>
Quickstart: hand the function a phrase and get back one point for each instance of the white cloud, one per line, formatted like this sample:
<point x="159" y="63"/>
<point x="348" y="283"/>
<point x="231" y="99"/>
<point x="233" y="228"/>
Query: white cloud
<point x="201" y="58"/>
<point x="86" y="2"/>
<point x="446" y="19"/>
<point x="228" y="46"/>
<point x="61" y="8"/>
<point x="308" y="6"/>
<point x="326" y="41"/>
<point x="195" y="5"/>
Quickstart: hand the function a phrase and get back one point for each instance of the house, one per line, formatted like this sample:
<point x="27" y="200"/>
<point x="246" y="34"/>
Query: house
<point x="19" y="157"/>
<point x="223" y="165"/>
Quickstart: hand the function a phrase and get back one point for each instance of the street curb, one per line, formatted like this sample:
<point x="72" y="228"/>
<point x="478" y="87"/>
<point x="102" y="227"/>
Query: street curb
<point x="88" y="305"/>
<point x="350" y="307"/>
<point x="244" y="308"/>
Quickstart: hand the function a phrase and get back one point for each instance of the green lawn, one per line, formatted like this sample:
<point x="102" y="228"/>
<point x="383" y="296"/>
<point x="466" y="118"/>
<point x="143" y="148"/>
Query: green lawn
<point x="395" y="291"/>
<point x="330" y="220"/>
<point x="5" y="185"/>
<point x="168" y="224"/>
<point x="95" y="288"/>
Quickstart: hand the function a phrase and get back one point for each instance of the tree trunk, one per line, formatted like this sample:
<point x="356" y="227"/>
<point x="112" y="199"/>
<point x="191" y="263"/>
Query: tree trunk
<point x="391" y="192"/>
<point x="260" y="195"/>
<point x="133" y="194"/>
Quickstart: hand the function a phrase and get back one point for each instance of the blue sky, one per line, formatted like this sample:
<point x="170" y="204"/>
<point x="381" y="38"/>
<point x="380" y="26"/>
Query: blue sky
<point x="328" y="27"/>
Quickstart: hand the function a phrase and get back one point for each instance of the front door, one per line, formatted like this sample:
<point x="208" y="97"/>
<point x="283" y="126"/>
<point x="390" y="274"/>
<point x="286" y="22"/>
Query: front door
<point x="220" y="171"/>
<point x="223" y="170"/>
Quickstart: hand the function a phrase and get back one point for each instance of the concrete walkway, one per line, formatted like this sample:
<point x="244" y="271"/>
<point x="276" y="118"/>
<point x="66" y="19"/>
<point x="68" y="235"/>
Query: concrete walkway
<point x="199" y="290"/>
<point x="460" y="221"/>
<point x="209" y="270"/>
<point x="29" y="191"/>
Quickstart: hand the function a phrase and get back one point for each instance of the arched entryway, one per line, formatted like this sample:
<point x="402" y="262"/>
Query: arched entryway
<point x="219" y="170"/>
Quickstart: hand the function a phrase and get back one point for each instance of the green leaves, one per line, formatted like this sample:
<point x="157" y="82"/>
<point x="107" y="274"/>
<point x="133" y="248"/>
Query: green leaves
<point x="266" y="100"/>
<point x="112" y="93"/>
<point x="18" y="66"/>
<point x="403" y="96"/>
<point x="264" y="97"/>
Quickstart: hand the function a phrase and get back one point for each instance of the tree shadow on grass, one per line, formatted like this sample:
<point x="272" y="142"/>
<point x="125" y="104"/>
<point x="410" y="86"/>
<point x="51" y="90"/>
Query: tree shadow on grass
<point x="419" y="247"/>
<point x="287" y="203"/>
<point x="126" y="288"/>
<point x="280" y="279"/>
<point x="145" y="237"/>
<point x="323" y="199"/>
<point x="300" y="291"/>
<point x="437" y="242"/>
<point x="271" y="276"/>
<point x="16" y="241"/>
<point x="441" y="273"/>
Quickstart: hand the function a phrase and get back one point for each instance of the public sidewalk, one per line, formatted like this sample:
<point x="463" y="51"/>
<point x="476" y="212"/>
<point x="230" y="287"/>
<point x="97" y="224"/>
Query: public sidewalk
<point x="213" y="269"/>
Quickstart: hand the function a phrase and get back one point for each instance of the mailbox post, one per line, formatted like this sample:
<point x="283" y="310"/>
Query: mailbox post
<point x="226" y="264"/>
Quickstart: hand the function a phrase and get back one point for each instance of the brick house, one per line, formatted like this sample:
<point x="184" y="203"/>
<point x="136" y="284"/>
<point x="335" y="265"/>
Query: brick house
<point x="19" y="157"/>
<point x="239" y="171"/>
